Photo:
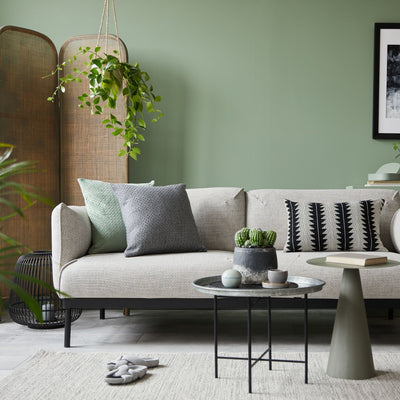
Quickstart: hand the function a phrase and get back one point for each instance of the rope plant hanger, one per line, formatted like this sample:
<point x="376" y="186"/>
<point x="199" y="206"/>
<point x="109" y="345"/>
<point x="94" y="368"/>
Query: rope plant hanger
<point x="107" y="8"/>
<point x="109" y="78"/>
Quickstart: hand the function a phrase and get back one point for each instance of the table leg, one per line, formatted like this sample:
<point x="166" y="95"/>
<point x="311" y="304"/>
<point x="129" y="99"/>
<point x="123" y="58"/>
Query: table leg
<point x="249" y="340"/>
<point x="216" y="336"/>
<point x="306" y="338"/>
<point x="350" y="354"/>
<point x="269" y="333"/>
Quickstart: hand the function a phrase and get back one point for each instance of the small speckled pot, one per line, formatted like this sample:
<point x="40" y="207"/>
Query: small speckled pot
<point x="254" y="263"/>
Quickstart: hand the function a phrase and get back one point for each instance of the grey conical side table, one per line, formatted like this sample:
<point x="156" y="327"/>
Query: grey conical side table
<point x="350" y="355"/>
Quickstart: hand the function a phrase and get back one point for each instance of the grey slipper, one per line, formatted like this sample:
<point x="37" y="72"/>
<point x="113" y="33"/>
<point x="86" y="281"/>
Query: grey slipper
<point x="130" y="360"/>
<point x="125" y="374"/>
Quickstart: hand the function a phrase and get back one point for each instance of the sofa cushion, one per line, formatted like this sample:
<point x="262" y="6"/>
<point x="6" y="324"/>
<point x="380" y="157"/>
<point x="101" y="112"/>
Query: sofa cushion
<point x="151" y="276"/>
<point x="334" y="226"/>
<point x="139" y="277"/>
<point x="108" y="229"/>
<point x="266" y="207"/>
<point x="219" y="213"/>
<point x="157" y="219"/>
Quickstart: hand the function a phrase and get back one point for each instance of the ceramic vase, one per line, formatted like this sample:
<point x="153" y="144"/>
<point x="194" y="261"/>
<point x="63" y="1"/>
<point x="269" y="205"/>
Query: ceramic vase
<point x="254" y="263"/>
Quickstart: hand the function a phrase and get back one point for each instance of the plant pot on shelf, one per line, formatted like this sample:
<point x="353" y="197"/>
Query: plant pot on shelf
<point x="254" y="263"/>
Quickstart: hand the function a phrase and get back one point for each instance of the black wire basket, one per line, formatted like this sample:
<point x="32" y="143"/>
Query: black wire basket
<point x="38" y="265"/>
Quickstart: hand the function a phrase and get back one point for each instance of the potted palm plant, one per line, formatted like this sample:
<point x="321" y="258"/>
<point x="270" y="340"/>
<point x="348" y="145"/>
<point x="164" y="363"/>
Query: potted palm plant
<point x="9" y="247"/>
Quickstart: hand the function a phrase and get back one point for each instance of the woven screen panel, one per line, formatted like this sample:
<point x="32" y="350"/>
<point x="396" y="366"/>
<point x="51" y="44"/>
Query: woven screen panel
<point x="30" y="122"/>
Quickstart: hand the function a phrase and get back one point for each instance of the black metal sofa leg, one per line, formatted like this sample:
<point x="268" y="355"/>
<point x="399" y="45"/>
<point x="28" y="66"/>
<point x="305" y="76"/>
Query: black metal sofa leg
<point x="102" y="313"/>
<point x="67" y="328"/>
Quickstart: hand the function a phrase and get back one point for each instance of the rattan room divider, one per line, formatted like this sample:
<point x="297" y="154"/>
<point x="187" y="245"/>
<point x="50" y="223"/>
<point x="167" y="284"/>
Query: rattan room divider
<point x="66" y="141"/>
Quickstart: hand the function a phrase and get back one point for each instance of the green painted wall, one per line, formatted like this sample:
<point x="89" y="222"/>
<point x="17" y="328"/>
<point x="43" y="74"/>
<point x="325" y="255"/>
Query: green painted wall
<point x="257" y="93"/>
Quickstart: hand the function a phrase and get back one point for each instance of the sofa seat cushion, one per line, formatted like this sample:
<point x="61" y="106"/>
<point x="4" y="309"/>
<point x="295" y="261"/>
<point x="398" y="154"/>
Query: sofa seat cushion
<point x="377" y="283"/>
<point x="151" y="276"/>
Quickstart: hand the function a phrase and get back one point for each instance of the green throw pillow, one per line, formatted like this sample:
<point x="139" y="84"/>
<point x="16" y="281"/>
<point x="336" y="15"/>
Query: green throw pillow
<point x="104" y="211"/>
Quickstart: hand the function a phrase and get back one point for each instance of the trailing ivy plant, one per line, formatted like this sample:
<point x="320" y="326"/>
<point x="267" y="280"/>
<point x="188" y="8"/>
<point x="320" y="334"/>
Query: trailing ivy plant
<point x="109" y="78"/>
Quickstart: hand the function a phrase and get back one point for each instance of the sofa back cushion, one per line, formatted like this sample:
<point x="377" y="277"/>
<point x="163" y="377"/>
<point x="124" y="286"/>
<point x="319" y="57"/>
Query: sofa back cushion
<point x="219" y="212"/>
<point x="266" y="208"/>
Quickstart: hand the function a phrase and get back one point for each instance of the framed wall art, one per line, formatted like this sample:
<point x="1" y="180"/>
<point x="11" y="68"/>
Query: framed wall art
<point x="386" y="109"/>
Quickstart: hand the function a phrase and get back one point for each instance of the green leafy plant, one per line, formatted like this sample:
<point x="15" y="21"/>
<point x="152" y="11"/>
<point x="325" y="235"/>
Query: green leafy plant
<point x="255" y="237"/>
<point x="396" y="147"/>
<point x="109" y="78"/>
<point x="9" y="247"/>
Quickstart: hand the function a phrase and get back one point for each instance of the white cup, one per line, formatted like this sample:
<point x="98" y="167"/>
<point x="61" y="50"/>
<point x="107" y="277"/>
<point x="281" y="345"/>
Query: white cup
<point x="277" y="276"/>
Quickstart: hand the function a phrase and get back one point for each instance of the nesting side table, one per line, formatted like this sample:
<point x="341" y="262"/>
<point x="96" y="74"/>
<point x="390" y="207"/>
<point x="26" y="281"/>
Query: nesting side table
<point x="297" y="286"/>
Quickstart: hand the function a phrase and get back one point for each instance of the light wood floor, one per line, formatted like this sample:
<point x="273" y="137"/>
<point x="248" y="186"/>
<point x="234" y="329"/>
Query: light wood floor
<point x="164" y="331"/>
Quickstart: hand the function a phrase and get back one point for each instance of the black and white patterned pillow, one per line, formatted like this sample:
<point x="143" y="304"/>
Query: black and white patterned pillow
<point x="334" y="226"/>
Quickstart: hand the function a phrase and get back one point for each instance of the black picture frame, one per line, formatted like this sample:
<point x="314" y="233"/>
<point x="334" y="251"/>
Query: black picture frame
<point x="386" y="103"/>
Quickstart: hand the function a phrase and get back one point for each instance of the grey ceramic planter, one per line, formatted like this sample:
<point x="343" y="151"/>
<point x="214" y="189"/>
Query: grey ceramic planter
<point x="254" y="263"/>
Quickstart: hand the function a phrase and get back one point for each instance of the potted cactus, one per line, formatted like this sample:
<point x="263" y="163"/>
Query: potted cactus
<point x="254" y="254"/>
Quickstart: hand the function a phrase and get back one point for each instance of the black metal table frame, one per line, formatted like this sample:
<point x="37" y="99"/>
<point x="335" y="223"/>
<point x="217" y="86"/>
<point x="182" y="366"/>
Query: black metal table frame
<point x="251" y="361"/>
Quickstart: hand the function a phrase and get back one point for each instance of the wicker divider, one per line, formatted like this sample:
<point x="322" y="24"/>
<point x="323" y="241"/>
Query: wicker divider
<point x="30" y="123"/>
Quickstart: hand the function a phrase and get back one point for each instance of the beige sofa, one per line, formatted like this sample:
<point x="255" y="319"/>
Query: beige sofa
<point x="112" y="280"/>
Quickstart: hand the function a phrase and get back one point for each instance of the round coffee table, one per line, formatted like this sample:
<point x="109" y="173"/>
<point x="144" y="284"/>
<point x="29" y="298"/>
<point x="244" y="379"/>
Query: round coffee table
<point x="297" y="286"/>
<point x="350" y="355"/>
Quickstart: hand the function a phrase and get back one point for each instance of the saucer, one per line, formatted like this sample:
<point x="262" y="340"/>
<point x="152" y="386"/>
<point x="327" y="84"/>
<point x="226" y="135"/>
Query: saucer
<point x="269" y="285"/>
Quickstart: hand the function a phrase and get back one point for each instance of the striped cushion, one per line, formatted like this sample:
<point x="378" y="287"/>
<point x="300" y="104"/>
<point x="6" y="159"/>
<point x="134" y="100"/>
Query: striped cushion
<point x="334" y="226"/>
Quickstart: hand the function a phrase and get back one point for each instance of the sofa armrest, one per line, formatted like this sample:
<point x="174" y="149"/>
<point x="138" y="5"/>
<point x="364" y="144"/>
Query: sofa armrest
<point x="395" y="230"/>
<point x="70" y="236"/>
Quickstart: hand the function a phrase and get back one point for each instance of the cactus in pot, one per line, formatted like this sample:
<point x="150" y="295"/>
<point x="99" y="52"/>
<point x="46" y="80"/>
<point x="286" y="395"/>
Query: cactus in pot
<point x="270" y="237"/>
<point x="254" y="238"/>
<point x="254" y="254"/>
<point x="241" y="237"/>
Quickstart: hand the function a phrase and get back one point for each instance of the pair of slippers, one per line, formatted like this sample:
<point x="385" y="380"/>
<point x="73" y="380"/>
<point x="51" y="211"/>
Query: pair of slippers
<point x="128" y="368"/>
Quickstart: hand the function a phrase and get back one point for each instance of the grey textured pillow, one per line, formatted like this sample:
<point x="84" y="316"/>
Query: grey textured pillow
<point x="108" y="229"/>
<point x="157" y="219"/>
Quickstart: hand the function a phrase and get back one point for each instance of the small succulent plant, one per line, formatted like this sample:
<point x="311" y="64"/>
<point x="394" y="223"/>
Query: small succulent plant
<point x="255" y="237"/>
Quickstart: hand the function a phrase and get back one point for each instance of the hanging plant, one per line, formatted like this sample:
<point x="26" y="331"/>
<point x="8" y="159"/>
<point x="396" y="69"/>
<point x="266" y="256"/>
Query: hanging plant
<point x="109" y="78"/>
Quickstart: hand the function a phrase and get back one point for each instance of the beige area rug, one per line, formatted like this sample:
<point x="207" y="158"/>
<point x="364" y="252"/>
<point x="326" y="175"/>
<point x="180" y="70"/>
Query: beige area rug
<point x="73" y="376"/>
